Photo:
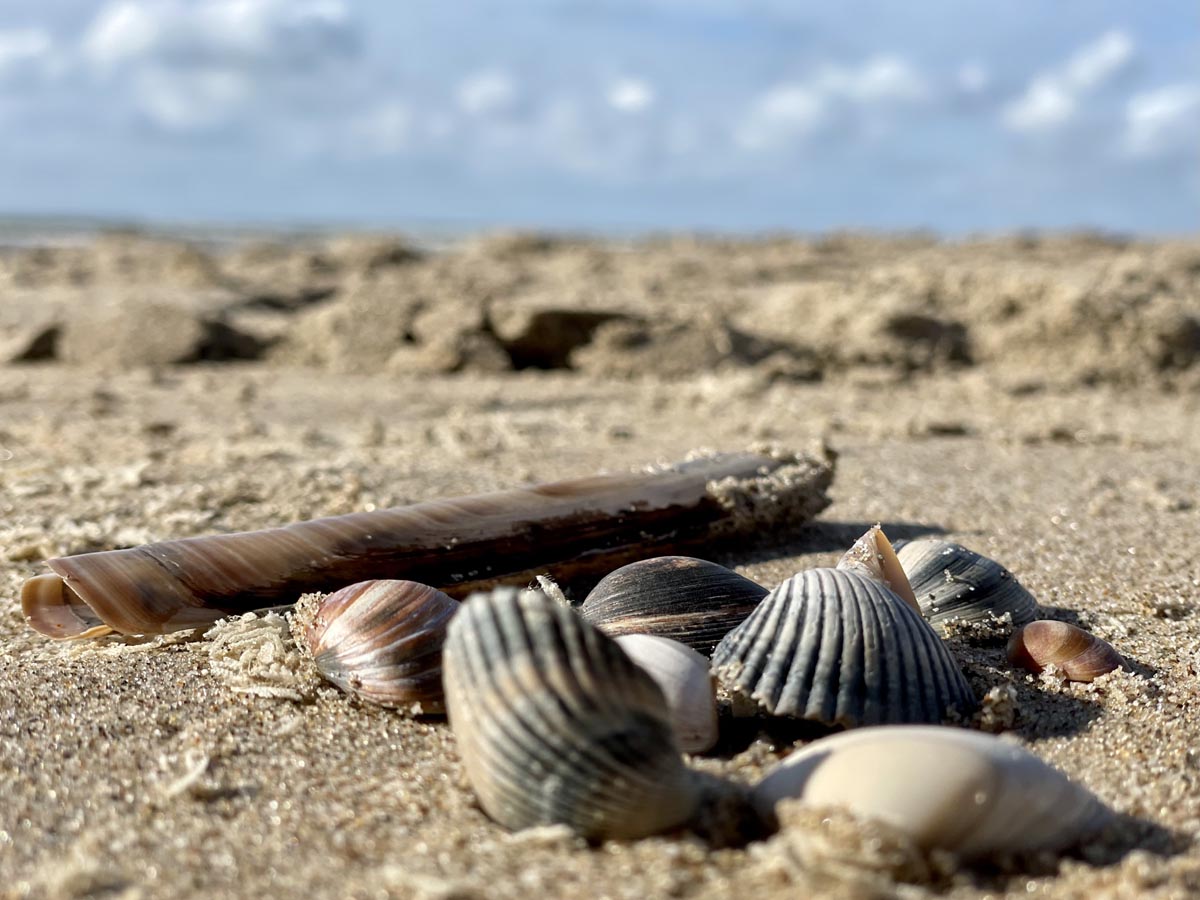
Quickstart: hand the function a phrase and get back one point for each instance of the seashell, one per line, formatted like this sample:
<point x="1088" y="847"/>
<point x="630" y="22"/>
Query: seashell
<point x="688" y="600"/>
<point x="1077" y="654"/>
<point x="970" y="793"/>
<point x="952" y="582"/>
<point x="382" y="641"/>
<point x="453" y="544"/>
<point x="686" y="683"/>
<point x="837" y="646"/>
<point x="556" y="725"/>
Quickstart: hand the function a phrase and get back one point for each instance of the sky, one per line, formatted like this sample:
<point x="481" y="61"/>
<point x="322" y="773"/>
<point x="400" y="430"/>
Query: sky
<point x="613" y="115"/>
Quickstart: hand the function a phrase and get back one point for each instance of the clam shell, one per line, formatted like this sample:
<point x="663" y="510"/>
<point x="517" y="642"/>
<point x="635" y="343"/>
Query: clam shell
<point x="952" y="582"/>
<point x="837" y="647"/>
<point x="556" y="725"/>
<point x="382" y="641"/>
<point x="686" y="683"/>
<point x="692" y="601"/>
<point x="1077" y="654"/>
<point x="970" y="793"/>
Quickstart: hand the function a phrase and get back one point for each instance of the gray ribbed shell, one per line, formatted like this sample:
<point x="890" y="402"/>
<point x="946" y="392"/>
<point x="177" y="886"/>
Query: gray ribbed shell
<point x="555" y="725"/>
<point x="839" y="648"/>
<point x="952" y="582"/>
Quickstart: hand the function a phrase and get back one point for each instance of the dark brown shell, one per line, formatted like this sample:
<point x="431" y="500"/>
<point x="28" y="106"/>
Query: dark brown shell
<point x="382" y="641"/>
<point x="1077" y="654"/>
<point x="952" y="582"/>
<point x="692" y="601"/>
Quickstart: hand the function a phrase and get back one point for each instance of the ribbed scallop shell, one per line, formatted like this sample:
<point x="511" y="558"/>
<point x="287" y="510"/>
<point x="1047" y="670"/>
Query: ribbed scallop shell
<point x="1079" y="655"/>
<point x="687" y="684"/>
<point x="952" y="582"/>
<point x="555" y="724"/>
<point x="692" y="601"/>
<point x="837" y="647"/>
<point x="971" y="793"/>
<point x="382" y="641"/>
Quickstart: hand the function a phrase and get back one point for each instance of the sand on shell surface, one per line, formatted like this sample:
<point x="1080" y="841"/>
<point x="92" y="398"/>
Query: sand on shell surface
<point x="1035" y="399"/>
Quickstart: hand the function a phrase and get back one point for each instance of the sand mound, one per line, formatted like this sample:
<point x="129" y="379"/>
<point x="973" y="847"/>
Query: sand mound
<point x="1075" y="310"/>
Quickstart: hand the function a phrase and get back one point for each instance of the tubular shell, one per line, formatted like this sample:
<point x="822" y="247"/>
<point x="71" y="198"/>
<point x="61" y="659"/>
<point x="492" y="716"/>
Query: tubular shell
<point x="585" y="524"/>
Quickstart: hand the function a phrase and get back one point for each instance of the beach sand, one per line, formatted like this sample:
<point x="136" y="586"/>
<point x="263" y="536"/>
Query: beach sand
<point x="1034" y="399"/>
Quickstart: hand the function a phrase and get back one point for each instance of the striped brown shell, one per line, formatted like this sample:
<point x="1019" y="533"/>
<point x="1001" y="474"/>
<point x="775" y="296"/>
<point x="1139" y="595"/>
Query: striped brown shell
<point x="555" y="724"/>
<point x="382" y="641"/>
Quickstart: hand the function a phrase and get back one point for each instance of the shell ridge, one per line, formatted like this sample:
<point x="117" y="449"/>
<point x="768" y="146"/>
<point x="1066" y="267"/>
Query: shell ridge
<point x="823" y="680"/>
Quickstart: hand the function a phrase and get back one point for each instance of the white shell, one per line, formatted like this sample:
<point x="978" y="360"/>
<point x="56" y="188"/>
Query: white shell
<point x="686" y="682"/>
<point x="963" y="791"/>
<point x="556" y="725"/>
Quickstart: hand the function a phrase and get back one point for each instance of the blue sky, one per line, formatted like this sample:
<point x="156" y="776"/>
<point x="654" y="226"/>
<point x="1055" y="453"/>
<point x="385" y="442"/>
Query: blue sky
<point x="609" y="115"/>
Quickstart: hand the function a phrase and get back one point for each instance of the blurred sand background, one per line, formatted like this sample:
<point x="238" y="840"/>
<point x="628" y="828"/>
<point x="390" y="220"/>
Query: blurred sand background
<point x="1034" y="397"/>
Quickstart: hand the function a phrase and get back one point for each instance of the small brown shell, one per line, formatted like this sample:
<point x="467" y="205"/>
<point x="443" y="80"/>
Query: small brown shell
<point x="692" y="601"/>
<point x="382" y="641"/>
<point x="1077" y="654"/>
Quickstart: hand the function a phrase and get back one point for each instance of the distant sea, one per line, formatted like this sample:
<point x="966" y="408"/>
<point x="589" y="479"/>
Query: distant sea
<point x="72" y="231"/>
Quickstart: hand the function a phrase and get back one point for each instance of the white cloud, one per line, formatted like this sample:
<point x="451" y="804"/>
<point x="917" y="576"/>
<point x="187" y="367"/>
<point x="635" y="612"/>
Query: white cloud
<point x="1098" y="63"/>
<point x="973" y="78"/>
<point x="27" y="52"/>
<point x="194" y="66"/>
<point x="631" y="95"/>
<point x="383" y="131"/>
<point x="883" y="79"/>
<point x="861" y="98"/>
<point x="286" y="34"/>
<point x="1164" y="121"/>
<point x="487" y="93"/>
<point x="782" y="115"/>
<point x="1052" y="99"/>
<point x="192" y="100"/>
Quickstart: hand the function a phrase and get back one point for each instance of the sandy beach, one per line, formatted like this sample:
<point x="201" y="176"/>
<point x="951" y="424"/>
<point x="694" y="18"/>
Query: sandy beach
<point x="1035" y="398"/>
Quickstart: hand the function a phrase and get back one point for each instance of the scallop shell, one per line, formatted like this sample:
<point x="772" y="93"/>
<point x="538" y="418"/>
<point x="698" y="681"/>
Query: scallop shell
<point x="1077" y="654"/>
<point x="952" y="582"/>
<point x="837" y="647"/>
<point x="555" y="724"/>
<point x="382" y="641"/>
<point x="686" y="683"/>
<point x="692" y="601"/>
<point x="970" y="793"/>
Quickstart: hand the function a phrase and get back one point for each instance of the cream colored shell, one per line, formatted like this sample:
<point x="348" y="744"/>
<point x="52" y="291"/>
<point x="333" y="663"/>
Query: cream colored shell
<point x="686" y="682"/>
<point x="967" y="792"/>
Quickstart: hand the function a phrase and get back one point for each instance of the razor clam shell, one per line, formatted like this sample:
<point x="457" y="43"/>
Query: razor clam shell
<point x="687" y="684"/>
<point x="970" y="793"/>
<point x="1079" y="655"/>
<point x="556" y="725"/>
<point x="952" y="582"/>
<point x="382" y="641"/>
<point x="455" y="544"/>
<point x="837" y="647"/>
<point x="692" y="601"/>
